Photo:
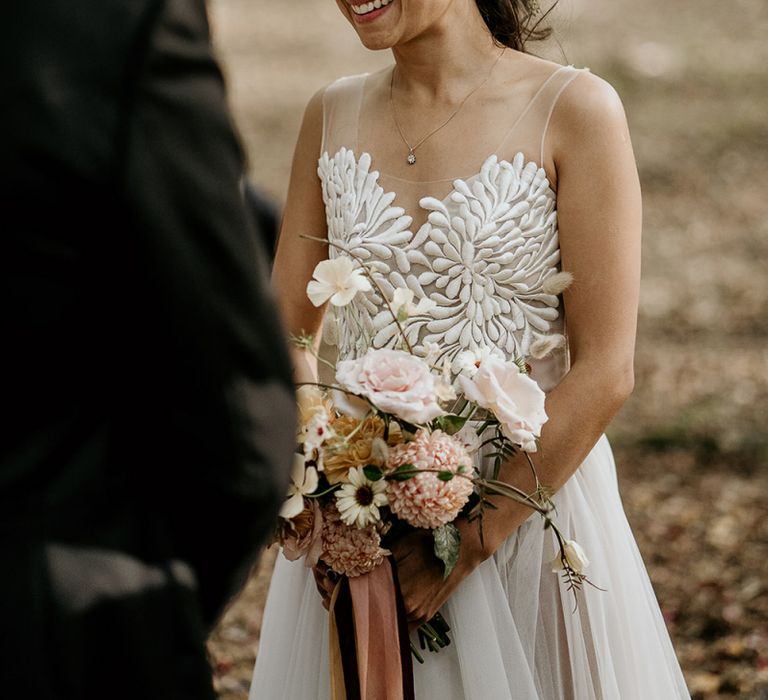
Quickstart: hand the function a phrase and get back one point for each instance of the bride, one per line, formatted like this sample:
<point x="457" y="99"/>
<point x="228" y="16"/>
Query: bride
<point x="485" y="178"/>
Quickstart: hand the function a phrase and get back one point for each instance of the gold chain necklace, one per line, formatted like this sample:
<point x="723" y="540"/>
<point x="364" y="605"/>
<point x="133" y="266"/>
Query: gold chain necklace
<point x="411" y="149"/>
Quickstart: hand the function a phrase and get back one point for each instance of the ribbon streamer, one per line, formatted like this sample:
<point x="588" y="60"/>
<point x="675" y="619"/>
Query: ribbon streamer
<point x="369" y="644"/>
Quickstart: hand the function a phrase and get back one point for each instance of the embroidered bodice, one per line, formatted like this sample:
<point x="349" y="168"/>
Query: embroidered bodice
<point x="484" y="256"/>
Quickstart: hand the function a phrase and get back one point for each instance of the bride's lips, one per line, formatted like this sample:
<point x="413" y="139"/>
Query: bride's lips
<point x="370" y="16"/>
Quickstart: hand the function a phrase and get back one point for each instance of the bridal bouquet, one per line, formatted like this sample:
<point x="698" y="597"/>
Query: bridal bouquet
<point x="393" y="443"/>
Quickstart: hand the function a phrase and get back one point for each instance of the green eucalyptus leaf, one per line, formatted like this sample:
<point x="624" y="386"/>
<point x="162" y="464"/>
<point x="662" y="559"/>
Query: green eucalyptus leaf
<point x="447" y="544"/>
<point x="451" y="424"/>
<point x="445" y="475"/>
<point x="372" y="472"/>
<point x="406" y="426"/>
<point x="404" y="472"/>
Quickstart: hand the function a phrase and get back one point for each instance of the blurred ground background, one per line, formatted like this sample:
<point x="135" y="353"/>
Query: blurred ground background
<point x="692" y="442"/>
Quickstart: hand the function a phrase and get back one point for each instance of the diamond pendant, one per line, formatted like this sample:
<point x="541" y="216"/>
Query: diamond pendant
<point x="411" y="158"/>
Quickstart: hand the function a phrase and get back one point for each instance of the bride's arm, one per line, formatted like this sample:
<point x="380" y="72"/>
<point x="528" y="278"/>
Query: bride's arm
<point x="297" y="257"/>
<point x="599" y="216"/>
<point x="599" y="220"/>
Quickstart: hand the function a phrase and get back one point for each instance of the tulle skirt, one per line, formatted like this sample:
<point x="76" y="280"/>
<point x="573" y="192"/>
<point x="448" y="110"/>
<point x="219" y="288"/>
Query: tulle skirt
<point x="516" y="631"/>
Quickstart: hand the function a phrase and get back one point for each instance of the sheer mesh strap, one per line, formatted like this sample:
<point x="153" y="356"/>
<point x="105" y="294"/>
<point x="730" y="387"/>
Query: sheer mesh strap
<point x="566" y="75"/>
<point x="341" y="111"/>
<point x="526" y="120"/>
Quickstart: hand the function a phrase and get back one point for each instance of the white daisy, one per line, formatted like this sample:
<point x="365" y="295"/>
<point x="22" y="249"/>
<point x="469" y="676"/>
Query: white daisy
<point x="359" y="499"/>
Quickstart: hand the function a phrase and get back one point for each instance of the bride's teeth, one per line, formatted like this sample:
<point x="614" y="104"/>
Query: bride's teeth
<point x="367" y="7"/>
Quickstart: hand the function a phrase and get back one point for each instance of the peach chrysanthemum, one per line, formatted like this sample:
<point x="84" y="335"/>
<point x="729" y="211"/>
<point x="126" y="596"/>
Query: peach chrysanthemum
<point x="350" y="551"/>
<point x="343" y="452"/>
<point x="425" y="500"/>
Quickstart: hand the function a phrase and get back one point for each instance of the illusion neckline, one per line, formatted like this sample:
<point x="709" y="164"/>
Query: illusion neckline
<point x="444" y="200"/>
<point x="499" y="161"/>
<point x="523" y="113"/>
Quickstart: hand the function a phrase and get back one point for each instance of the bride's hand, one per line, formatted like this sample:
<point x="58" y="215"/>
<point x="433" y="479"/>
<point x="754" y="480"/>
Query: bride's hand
<point x="421" y="576"/>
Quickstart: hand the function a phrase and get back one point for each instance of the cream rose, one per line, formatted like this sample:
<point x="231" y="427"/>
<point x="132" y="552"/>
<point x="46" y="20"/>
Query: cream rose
<point x="514" y="398"/>
<point x="393" y="381"/>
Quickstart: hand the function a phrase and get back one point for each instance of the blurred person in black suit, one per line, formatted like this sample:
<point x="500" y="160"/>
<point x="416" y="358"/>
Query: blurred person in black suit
<point x="267" y="216"/>
<point x="148" y="409"/>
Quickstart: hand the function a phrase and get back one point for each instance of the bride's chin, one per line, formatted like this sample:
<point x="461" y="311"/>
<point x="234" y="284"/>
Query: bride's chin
<point x="381" y="31"/>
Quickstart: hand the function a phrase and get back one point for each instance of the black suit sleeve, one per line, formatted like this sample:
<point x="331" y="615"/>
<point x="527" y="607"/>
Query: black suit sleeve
<point x="219" y="393"/>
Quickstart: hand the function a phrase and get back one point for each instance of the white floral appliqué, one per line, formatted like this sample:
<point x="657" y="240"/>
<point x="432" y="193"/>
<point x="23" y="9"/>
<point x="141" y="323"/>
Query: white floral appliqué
<point x="485" y="257"/>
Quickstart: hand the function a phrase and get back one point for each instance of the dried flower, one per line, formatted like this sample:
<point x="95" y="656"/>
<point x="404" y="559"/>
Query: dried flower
<point x="352" y="445"/>
<point x="541" y="347"/>
<point x="426" y="500"/>
<point x="557" y="283"/>
<point x="338" y="280"/>
<point x="379" y="451"/>
<point x="302" y="535"/>
<point x="350" y="551"/>
<point x="359" y="499"/>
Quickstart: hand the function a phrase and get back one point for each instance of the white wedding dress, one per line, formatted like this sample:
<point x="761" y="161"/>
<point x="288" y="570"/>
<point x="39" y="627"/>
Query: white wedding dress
<point x="484" y="253"/>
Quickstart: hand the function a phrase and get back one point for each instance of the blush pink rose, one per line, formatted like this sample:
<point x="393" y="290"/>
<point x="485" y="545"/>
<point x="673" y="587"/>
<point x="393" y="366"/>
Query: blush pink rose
<point x="513" y="397"/>
<point x="393" y="381"/>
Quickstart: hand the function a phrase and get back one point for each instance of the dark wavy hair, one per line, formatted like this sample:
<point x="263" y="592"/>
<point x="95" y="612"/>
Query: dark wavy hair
<point x="514" y="23"/>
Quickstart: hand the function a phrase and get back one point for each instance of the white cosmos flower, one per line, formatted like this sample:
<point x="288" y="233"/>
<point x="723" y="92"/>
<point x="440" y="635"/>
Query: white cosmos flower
<point x="469" y="361"/>
<point x="338" y="280"/>
<point x="359" y="499"/>
<point x="303" y="482"/>
<point x="432" y="352"/>
<point x="574" y="555"/>
<point x="403" y="306"/>
<point x="444" y="389"/>
<point x="317" y="431"/>
<point x="468" y="437"/>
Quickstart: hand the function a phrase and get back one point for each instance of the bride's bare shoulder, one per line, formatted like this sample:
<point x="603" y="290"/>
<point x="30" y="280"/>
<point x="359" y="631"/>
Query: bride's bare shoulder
<point x="588" y="98"/>
<point x="588" y="111"/>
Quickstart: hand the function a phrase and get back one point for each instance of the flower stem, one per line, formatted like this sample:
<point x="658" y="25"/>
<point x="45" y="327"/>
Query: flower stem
<point x="375" y="283"/>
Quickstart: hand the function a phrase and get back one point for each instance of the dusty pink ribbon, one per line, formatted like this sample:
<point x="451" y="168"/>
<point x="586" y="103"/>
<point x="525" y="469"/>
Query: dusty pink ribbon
<point x="383" y="666"/>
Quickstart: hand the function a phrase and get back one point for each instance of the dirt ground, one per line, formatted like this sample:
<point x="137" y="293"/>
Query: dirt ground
<point x="691" y="443"/>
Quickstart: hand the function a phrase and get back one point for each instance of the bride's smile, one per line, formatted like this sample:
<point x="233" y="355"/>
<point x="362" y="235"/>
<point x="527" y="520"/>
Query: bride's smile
<point x="370" y="11"/>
